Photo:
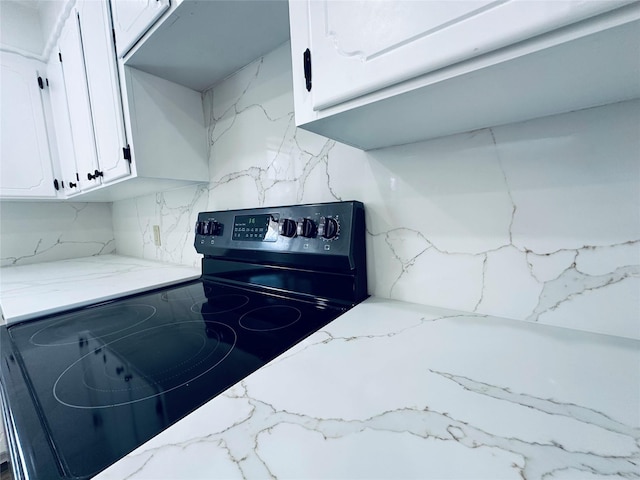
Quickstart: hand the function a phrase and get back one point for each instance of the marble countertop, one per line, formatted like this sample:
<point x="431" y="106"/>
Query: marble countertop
<point x="32" y="290"/>
<point x="396" y="390"/>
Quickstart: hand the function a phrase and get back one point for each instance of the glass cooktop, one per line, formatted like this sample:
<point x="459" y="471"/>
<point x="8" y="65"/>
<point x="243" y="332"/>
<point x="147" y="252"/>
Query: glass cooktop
<point x="121" y="372"/>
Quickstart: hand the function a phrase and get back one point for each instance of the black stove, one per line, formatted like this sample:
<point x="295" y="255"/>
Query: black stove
<point x="84" y="388"/>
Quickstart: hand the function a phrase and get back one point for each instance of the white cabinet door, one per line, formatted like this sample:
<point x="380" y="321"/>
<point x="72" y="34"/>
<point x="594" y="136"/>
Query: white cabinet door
<point x="25" y="161"/>
<point x="75" y="81"/>
<point x="132" y="18"/>
<point x="358" y="47"/>
<point x="104" y="91"/>
<point x="68" y="181"/>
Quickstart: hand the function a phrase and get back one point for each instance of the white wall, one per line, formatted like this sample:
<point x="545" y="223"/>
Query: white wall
<point x="50" y="11"/>
<point x="33" y="232"/>
<point x="536" y="221"/>
<point x="30" y="27"/>
<point x="20" y="27"/>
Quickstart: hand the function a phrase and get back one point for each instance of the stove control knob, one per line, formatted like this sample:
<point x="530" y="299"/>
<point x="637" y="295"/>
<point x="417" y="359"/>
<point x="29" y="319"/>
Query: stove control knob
<point x="287" y="228"/>
<point x="208" y="228"/>
<point x="328" y="228"/>
<point x="215" y="228"/>
<point x="306" y="228"/>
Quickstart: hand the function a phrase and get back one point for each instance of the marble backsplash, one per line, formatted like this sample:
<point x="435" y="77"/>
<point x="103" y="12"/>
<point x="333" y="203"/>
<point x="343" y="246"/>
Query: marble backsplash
<point x="34" y="232"/>
<point x="536" y="221"/>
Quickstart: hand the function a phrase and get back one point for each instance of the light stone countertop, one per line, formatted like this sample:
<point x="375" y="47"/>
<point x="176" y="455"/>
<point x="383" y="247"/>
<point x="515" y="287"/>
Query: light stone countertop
<point x="33" y="290"/>
<point x="396" y="390"/>
<point x="388" y="390"/>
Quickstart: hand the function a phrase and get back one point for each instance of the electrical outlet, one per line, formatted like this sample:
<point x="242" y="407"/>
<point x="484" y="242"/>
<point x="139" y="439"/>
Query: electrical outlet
<point x="156" y="235"/>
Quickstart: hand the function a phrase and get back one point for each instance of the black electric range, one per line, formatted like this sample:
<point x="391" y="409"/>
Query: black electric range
<point x="84" y="388"/>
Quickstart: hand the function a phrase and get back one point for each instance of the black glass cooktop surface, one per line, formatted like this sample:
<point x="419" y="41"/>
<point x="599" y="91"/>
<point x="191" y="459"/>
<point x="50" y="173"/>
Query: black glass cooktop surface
<point x="111" y="377"/>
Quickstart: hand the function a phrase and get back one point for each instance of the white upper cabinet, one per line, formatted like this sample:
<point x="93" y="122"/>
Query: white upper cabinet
<point x="100" y="106"/>
<point x="93" y="113"/>
<point x="25" y="161"/>
<point x="97" y="131"/>
<point x="104" y="92"/>
<point x="372" y="45"/>
<point x="132" y="18"/>
<point x="382" y="73"/>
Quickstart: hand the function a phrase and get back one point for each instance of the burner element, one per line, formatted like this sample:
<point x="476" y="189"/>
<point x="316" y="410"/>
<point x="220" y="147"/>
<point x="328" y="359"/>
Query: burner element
<point x="105" y="321"/>
<point x="145" y="364"/>
<point x="265" y="319"/>
<point x="220" y="304"/>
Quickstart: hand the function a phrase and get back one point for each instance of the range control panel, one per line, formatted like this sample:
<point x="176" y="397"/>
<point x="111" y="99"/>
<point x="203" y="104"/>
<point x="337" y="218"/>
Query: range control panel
<point x="323" y="228"/>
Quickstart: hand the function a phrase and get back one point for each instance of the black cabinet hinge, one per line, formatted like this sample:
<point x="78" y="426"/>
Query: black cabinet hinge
<point x="306" y="60"/>
<point x="60" y="56"/>
<point x="40" y="83"/>
<point x="126" y="152"/>
<point x="113" y="32"/>
<point x="56" y="185"/>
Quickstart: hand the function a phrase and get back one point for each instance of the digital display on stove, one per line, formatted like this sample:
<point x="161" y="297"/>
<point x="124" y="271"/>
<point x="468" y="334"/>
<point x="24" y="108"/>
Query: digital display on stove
<point x="261" y="228"/>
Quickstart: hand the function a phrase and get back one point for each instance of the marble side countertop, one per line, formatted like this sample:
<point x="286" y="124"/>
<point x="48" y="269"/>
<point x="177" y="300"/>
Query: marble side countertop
<point x="32" y="290"/>
<point x="395" y="390"/>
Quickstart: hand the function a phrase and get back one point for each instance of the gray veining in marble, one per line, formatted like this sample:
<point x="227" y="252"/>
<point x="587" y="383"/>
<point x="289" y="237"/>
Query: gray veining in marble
<point x="35" y="232"/>
<point x="536" y="221"/>
<point x="399" y="391"/>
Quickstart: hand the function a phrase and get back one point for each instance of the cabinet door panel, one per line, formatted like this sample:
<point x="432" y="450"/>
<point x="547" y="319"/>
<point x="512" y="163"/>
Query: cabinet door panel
<point x="104" y="89"/>
<point x="132" y="18"/>
<point x="25" y="161"/>
<point x="359" y="47"/>
<point x="75" y="82"/>
<point x="62" y="124"/>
